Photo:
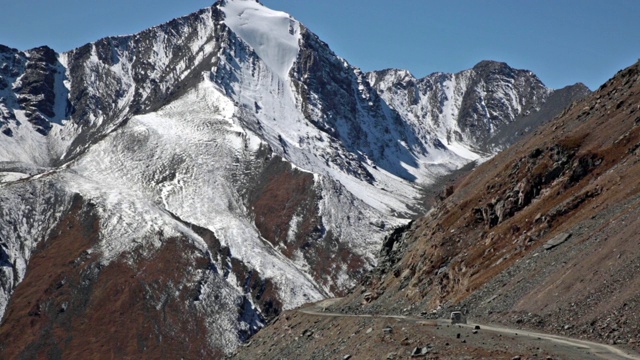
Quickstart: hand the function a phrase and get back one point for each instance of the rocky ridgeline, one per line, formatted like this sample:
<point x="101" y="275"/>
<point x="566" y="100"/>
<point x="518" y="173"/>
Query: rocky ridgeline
<point x="29" y="79"/>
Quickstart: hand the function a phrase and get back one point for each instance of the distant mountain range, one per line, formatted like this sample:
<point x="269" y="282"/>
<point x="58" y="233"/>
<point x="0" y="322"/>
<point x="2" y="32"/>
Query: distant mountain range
<point x="168" y="192"/>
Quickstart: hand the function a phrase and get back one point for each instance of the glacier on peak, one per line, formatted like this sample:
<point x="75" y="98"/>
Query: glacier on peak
<point x="273" y="35"/>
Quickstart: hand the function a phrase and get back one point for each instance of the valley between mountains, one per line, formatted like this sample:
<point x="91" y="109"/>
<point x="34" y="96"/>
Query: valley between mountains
<point x="541" y="238"/>
<point x="178" y="192"/>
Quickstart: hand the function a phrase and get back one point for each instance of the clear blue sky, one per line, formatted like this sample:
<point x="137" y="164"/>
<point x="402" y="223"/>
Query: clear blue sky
<point x="563" y="41"/>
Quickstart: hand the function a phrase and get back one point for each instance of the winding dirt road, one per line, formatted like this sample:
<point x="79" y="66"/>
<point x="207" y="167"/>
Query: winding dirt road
<point x="577" y="346"/>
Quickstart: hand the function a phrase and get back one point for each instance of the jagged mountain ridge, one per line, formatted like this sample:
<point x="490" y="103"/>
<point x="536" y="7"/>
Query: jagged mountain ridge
<point x="469" y="109"/>
<point x="267" y="160"/>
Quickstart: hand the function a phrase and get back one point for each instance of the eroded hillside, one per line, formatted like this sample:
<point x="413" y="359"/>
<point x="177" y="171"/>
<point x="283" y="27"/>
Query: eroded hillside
<point x="544" y="235"/>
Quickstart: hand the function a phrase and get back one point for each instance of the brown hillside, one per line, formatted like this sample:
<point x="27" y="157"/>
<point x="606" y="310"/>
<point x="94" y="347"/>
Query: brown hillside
<point x="70" y="306"/>
<point x="486" y="248"/>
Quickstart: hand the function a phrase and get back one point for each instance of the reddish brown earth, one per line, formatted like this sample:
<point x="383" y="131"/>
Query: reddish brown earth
<point x="284" y="193"/>
<point x="69" y="306"/>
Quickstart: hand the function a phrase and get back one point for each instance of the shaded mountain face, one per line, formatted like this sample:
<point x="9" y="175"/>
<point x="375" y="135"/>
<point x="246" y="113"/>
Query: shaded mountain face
<point x="209" y="172"/>
<point x="544" y="235"/>
<point x="484" y="109"/>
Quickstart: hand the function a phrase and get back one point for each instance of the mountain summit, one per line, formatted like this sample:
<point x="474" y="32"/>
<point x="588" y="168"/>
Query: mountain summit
<point x="202" y="175"/>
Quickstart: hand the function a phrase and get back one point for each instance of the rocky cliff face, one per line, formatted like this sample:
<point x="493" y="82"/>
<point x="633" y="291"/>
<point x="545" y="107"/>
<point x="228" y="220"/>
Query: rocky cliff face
<point x="35" y="92"/>
<point x="228" y="163"/>
<point x="541" y="236"/>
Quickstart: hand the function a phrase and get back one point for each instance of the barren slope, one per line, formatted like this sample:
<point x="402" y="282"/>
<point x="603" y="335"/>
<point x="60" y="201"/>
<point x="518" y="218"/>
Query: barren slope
<point x="544" y="235"/>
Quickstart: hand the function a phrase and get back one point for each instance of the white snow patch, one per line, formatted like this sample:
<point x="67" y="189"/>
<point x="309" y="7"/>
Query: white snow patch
<point x="12" y="176"/>
<point x="272" y="34"/>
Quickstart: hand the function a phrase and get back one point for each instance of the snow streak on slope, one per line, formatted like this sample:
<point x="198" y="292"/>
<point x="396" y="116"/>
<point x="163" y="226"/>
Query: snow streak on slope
<point x="273" y="35"/>
<point x="115" y="78"/>
<point x="270" y="106"/>
<point x="131" y="228"/>
<point x="24" y="140"/>
<point x="433" y="117"/>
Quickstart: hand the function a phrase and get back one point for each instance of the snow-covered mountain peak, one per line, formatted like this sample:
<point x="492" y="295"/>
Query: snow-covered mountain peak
<point x="236" y="138"/>
<point x="273" y="35"/>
